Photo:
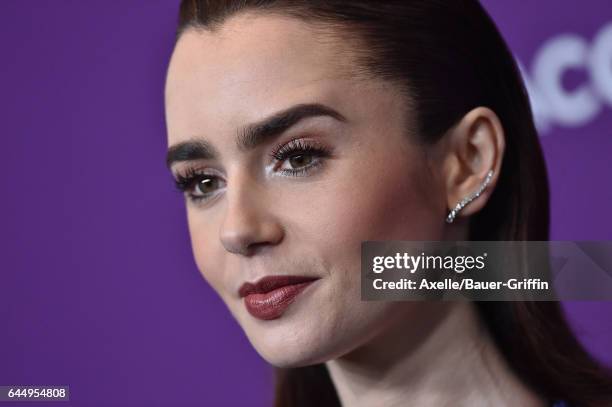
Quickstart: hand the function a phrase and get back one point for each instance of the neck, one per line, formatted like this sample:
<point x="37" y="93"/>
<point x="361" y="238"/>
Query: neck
<point x="447" y="358"/>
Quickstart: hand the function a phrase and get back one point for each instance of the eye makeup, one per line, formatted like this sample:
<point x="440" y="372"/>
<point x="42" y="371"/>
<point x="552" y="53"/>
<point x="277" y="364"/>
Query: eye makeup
<point x="194" y="181"/>
<point x="295" y="151"/>
<point x="296" y="158"/>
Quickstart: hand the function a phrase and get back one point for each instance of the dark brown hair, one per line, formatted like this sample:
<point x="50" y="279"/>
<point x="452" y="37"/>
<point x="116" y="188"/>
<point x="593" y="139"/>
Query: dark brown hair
<point x="448" y="57"/>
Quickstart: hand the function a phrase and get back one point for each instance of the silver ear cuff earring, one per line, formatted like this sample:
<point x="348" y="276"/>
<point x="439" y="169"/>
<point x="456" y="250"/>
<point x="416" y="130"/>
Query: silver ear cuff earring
<point x="461" y="204"/>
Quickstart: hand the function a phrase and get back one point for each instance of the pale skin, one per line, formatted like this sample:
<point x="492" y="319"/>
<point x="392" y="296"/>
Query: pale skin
<point x="375" y="183"/>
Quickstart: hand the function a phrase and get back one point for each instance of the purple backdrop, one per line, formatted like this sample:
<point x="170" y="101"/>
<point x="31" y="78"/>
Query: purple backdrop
<point x="99" y="290"/>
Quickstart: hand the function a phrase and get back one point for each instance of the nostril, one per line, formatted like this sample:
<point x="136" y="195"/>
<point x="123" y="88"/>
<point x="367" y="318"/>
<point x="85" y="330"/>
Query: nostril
<point x="258" y="248"/>
<point x="247" y="228"/>
<point x="256" y="241"/>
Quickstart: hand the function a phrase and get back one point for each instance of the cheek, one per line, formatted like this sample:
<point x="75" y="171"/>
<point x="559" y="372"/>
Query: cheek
<point x="373" y="202"/>
<point x="390" y="201"/>
<point x="205" y="246"/>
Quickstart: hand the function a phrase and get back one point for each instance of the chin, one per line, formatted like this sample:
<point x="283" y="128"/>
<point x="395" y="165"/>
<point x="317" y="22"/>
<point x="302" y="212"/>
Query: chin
<point x="285" y="345"/>
<point x="291" y="358"/>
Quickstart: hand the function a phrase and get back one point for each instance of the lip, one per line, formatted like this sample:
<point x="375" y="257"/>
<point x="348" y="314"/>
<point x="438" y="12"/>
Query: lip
<point x="270" y="297"/>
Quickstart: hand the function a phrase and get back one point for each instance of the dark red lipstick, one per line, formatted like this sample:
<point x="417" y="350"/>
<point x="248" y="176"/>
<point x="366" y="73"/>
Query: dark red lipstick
<point x="269" y="297"/>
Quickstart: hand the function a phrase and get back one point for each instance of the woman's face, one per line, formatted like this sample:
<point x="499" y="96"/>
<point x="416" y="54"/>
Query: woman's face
<point x="298" y="197"/>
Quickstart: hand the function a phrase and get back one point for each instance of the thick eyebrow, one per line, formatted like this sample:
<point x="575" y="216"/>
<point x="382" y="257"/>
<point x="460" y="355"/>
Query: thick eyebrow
<point x="251" y="135"/>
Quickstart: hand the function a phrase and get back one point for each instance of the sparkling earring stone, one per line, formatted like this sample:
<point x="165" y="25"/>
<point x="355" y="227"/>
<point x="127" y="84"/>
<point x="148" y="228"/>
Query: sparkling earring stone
<point x="461" y="204"/>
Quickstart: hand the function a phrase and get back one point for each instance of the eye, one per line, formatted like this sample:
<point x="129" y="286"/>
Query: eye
<point x="299" y="157"/>
<point x="300" y="160"/>
<point x="198" y="185"/>
<point x="206" y="185"/>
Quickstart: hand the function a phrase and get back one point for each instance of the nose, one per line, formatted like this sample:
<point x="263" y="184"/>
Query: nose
<point x="248" y="225"/>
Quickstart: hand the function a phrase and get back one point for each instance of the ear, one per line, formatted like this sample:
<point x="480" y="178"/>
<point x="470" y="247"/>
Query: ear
<point x="473" y="146"/>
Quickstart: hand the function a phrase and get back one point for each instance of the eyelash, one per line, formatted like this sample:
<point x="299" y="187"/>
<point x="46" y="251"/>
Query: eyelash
<point x="187" y="182"/>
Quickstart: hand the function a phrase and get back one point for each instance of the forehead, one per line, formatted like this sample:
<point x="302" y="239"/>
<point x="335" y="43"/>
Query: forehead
<point x="249" y="67"/>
